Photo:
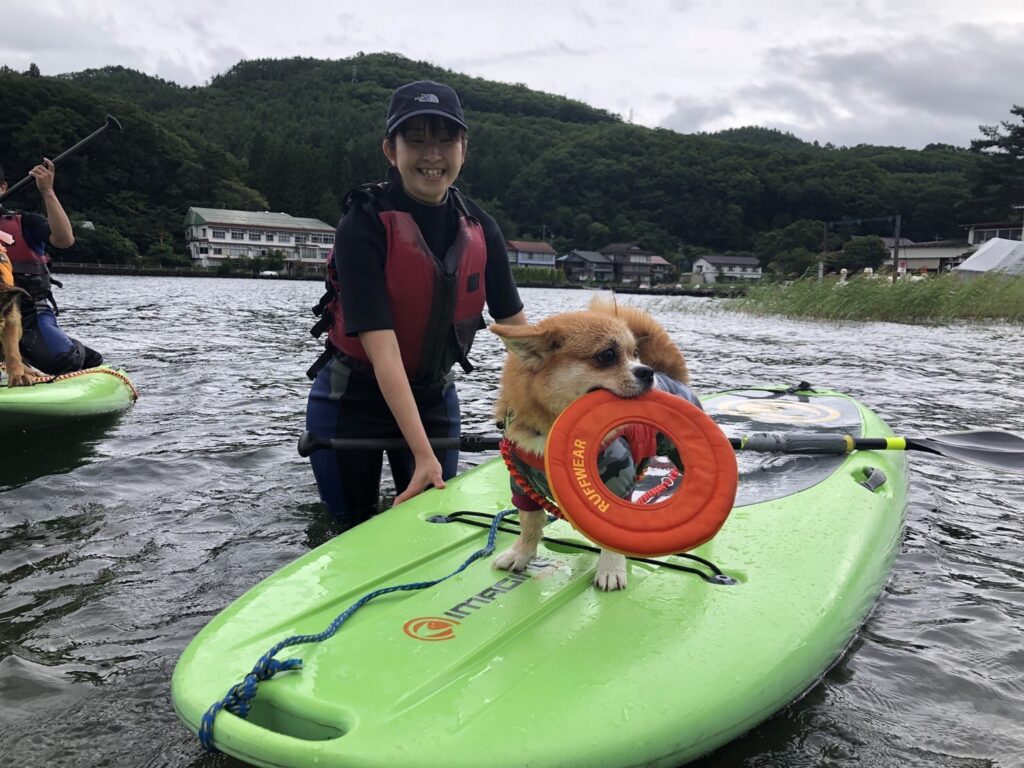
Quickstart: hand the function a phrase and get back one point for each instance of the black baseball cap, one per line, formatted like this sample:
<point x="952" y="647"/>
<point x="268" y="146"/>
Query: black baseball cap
<point x="424" y="97"/>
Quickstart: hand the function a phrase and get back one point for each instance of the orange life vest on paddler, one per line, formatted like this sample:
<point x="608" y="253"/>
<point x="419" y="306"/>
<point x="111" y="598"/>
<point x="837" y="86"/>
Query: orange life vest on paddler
<point x="24" y="259"/>
<point x="6" y="273"/>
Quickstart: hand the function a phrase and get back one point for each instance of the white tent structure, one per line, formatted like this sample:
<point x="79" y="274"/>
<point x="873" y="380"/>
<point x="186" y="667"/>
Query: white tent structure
<point x="996" y="255"/>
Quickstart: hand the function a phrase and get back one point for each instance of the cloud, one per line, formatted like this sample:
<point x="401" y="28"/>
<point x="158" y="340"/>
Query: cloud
<point x="948" y="76"/>
<point x="865" y="71"/>
<point x="693" y="116"/>
<point x="42" y="37"/>
<point x="556" y="50"/>
<point x="580" y="15"/>
<point x="901" y="90"/>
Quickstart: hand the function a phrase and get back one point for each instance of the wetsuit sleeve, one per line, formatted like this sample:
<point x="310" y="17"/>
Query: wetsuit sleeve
<point x="502" y="294"/>
<point x="360" y="250"/>
<point x="36" y="230"/>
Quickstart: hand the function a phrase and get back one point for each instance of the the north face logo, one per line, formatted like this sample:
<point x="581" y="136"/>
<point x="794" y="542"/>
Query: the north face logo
<point x="428" y="97"/>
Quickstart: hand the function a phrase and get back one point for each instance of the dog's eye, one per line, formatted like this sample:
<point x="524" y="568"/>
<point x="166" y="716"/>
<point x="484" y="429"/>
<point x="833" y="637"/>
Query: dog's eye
<point x="607" y="357"/>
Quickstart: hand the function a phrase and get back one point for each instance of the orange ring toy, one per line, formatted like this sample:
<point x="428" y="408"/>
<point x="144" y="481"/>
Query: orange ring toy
<point x="689" y="518"/>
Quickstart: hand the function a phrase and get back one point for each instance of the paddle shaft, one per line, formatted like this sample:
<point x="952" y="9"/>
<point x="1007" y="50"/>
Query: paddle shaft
<point x="814" y="443"/>
<point x="760" y="442"/>
<point x="1001" y="450"/>
<point x="470" y="443"/>
<point x="111" y="123"/>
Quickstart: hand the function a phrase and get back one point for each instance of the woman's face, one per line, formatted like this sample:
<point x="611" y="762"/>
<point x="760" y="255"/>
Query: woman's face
<point x="429" y="155"/>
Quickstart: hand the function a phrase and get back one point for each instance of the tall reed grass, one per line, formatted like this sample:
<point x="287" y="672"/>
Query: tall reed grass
<point x="538" y="276"/>
<point x="933" y="300"/>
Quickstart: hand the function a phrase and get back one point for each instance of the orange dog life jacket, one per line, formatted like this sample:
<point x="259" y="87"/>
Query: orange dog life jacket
<point x="6" y="272"/>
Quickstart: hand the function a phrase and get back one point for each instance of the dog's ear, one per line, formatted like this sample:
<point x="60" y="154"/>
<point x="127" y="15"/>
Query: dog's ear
<point x="528" y="343"/>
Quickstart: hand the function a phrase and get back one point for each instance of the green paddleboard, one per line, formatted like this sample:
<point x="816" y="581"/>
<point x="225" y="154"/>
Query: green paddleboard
<point x="542" y="669"/>
<point x="88" y="393"/>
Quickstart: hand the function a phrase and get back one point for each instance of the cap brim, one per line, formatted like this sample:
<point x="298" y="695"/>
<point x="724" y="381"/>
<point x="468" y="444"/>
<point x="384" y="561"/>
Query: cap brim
<point x="440" y="113"/>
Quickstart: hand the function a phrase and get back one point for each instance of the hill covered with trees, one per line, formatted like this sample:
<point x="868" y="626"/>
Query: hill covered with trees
<point x="294" y="135"/>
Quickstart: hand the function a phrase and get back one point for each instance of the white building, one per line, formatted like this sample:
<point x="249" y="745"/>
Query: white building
<point x="215" y="235"/>
<point x="933" y="256"/>
<point x="526" y="253"/>
<point x="987" y="230"/>
<point x="723" y="269"/>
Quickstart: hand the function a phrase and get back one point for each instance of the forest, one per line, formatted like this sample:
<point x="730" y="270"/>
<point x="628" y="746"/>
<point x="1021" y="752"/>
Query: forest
<point x="295" y="134"/>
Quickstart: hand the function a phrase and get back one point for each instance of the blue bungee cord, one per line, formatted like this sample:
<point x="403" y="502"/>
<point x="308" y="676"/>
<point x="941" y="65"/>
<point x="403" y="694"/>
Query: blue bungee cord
<point x="237" y="701"/>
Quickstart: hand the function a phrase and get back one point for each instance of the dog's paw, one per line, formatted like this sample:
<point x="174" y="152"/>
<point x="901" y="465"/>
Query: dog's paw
<point x="19" y="376"/>
<point x="513" y="559"/>
<point x="611" y="571"/>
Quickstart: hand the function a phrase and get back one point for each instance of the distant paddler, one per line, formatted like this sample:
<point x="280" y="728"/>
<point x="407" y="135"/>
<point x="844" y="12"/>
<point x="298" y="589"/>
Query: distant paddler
<point x="44" y="344"/>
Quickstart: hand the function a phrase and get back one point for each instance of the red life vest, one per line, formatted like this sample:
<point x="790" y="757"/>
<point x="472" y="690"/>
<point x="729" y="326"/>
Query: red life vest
<point x="437" y="305"/>
<point x="24" y="260"/>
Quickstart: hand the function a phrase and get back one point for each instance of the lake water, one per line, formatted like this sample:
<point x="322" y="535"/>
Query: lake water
<point x="116" y="547"/>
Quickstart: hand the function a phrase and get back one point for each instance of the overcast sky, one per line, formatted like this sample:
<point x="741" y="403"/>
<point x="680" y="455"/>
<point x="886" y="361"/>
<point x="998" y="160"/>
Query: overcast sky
<point x="899" y="72"/>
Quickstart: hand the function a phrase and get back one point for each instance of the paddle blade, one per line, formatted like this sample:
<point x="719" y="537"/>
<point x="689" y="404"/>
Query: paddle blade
<point x="996" y="458"/>
<point x="991" y="440"/>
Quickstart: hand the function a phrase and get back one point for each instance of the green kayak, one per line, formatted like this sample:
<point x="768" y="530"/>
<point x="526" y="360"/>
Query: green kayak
<point x="81" y="395"/>
<point x="494" y="669"/>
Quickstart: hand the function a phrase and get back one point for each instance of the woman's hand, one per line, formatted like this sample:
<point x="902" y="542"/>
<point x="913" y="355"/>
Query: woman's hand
<point x="382" y="349"/>
<point x="427" y="473"/>
<point x="43" y="174"/>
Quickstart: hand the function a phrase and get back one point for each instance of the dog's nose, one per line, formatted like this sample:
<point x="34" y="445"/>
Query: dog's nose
<point x="644" y="374"/>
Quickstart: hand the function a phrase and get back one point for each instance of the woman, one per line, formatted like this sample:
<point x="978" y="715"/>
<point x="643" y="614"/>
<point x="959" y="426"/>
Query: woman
<point x="44" y="344"/>
<point x="414" y="262"/>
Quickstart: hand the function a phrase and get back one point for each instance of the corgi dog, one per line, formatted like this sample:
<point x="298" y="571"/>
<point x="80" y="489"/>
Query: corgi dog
<point x="10" y="321"/>
<point x="552" y="363"/>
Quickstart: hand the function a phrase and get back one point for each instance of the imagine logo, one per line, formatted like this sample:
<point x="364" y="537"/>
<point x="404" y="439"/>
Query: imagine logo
<point x="430" y="628"/>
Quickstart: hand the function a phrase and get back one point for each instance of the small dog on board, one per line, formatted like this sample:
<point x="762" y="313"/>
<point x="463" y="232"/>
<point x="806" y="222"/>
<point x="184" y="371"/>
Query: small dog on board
<point x="10" y="321"/>
<point x="608" y="346"/>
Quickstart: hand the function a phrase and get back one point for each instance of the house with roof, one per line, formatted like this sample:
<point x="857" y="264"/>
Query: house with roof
<point x="888" y="242"/>
<point x="661" y="269"/>
<point x="982" y="232"/>
<point x="933" y="256"/>
<point x="633" y="264"/>
<point x="587" y="267"/>
<point x="528" y="253"/>
<point x="715" y="268"/>
<point x="214" y="236"/>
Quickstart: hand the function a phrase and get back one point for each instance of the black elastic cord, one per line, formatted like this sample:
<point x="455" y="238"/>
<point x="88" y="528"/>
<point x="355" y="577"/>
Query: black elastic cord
<point x="717" y="577"/>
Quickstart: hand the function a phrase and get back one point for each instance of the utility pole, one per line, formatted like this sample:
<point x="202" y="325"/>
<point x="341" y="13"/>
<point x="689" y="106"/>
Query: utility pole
<point x="896" y="250"/>
<point x="824" y="250"/>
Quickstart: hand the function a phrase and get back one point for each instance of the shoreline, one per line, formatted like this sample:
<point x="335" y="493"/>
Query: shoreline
<point x="725" y="291"/>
